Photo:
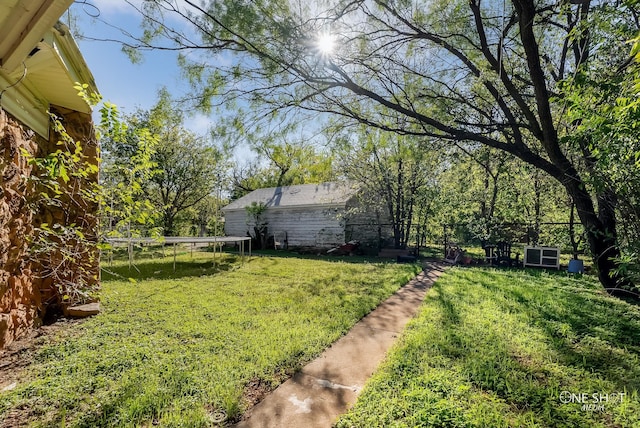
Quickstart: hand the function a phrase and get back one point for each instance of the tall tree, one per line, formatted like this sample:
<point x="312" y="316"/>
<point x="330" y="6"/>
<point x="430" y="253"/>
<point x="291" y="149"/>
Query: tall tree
<point x="204" y="218"/>
<point x="394" y="172"/>
<point x="126" y="167"/>
<point x="188" y="167"/>
<point x="282" y="160"/>
<point x="495" y="196"/>
<point x="481" y="71"/>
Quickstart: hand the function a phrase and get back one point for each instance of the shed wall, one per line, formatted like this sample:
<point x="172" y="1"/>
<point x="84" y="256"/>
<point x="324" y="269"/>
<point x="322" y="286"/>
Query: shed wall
<point x="305" y="227"/>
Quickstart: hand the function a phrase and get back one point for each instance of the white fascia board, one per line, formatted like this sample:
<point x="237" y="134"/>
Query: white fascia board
<point x="28" y="21"/>
<point x="70" y="57"/>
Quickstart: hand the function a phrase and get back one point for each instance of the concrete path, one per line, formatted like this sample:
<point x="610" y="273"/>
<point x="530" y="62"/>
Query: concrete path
<point x="329" y="385"/>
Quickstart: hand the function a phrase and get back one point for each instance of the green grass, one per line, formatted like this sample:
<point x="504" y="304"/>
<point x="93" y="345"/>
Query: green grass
<point x="497" y="348"/>
<point x="175" y="348"/>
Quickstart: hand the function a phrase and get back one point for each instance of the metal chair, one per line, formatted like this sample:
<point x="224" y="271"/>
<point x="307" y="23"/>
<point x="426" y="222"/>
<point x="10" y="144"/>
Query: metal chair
<point x="490" y="254"/>
<point x="503" y="254"/>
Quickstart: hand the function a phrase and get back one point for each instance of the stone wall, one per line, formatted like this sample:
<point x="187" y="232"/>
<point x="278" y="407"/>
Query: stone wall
<point x="60" y="272"/>
<point x="20" y="304"/>
<point x="27" y="286"/>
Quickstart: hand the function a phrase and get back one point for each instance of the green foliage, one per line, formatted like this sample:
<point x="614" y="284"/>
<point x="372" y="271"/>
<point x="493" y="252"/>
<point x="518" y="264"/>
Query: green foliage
<point x="205" y="218"/>
<point x="283" y="159"/>
<point x="446" y="71"/>
<point x="604" y="112"/>
<point x="155" y="169"/>
<point x="63" y="246"/>
<point x="186" y="167"/>
<point x="397" y="177"/>
<point x="491" y="196"/>
<point x="178" y="347"/>
<point x="255" y="219"/>
<point x="255" y="212"/>
<point x="126" y="168"/>
<point x="496" y="348"/>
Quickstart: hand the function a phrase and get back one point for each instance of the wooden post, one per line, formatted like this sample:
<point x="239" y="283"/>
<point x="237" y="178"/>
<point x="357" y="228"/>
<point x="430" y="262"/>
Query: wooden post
<point x="444" y="235"/>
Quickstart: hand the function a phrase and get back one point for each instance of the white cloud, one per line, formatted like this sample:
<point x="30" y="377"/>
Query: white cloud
<point x="198" y="123"/>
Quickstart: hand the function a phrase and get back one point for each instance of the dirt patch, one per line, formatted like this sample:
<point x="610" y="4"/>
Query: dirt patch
<point x="257" y="389"/>
<point x="20" y="353"/>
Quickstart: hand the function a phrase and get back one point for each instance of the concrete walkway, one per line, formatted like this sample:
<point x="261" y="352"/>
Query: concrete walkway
<point x="329" y="385"/>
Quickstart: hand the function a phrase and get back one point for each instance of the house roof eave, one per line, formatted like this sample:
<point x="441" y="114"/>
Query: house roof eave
<point x="40" y="63"/>
<point x="24" y="24"/>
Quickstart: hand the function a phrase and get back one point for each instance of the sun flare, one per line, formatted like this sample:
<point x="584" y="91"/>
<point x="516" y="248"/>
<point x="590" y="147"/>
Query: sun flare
<point x="326" y="44"/>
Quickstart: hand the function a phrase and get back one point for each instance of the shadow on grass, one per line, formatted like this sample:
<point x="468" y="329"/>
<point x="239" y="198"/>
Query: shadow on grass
<point x="526" y="336"/>
<point x="355" y="259"/>
<point x="319" y="256"/>
<point x="588" y="310"/>
<point x="588" y="329"/>
<point x="203" y="264"/>
<point x="449" y="306"/>
<point x="163" y="268"/>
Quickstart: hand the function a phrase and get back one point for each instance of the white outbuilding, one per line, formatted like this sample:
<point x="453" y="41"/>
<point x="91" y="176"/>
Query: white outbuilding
<point x="307" y="215"/>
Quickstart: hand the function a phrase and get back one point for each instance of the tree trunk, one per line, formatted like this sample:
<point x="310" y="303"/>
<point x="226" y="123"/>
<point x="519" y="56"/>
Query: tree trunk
<point x="168" y="225"/>
<point x="601" y="234"/>
<point x="600" y="228"/>
<point x="572" y="230"/>
<point x="398" y="217"/>
<point x="537" y="207"/>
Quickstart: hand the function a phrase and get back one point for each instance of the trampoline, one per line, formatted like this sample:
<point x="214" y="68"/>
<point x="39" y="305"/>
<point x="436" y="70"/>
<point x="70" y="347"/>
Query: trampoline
<point x="175" y="240"/>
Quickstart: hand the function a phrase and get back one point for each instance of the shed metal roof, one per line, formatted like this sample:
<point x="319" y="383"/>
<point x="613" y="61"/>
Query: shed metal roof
<point x="324" y="194"/>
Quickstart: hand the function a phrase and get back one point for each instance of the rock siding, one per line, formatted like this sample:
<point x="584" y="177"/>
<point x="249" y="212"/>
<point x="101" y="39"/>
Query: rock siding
<point x="25" y="288"/>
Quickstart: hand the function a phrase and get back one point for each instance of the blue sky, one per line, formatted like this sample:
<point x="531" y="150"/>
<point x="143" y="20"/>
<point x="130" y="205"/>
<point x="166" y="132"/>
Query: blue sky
<point x="129" y="86"/>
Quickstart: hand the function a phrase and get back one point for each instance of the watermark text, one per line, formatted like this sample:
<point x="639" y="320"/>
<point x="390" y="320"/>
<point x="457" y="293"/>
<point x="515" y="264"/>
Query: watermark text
<point x="592" y="402"/>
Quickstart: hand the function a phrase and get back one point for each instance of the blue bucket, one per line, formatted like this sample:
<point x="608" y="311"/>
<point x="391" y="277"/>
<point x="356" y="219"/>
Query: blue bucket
<point x="576" y="266"/>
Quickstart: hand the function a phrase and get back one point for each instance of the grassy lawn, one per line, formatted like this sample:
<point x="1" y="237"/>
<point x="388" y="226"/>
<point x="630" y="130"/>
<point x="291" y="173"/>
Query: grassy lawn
<point x="188" y="347"/>
<point x="506" y="348"/>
